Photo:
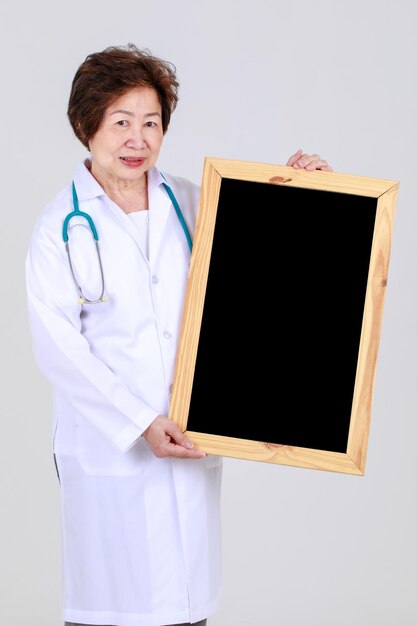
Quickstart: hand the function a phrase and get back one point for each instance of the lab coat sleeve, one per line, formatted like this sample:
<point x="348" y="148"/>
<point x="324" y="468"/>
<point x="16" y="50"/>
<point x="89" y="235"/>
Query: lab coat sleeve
<point x="64" y="355"/>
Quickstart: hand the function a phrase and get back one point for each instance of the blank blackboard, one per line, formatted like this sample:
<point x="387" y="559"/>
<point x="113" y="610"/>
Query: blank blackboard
<point x="283" y="314"/>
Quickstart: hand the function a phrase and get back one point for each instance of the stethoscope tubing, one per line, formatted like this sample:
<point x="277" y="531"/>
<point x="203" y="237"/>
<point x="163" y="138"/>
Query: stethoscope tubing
<point x="77" y="213"/>
<point x="179" y="214"/>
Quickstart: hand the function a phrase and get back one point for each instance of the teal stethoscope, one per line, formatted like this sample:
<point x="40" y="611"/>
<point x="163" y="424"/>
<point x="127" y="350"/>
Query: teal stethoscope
<point x="77" y="213"/>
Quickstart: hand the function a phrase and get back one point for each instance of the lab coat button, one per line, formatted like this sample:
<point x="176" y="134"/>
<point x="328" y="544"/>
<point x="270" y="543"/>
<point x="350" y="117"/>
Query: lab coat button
<point x="155" y="279"/>
<point x="167" y="334"/>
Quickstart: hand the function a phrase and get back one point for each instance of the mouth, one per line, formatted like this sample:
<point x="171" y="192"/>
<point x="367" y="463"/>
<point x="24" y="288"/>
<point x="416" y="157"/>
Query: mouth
<point x="132" y="161"/>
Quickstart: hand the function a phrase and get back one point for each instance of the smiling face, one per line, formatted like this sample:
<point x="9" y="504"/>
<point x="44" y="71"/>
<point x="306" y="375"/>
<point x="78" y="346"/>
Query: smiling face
<point x="128" y="141"/>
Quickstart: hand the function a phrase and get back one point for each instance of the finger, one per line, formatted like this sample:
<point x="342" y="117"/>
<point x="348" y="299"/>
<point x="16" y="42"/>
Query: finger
<point x="294" y="157"/>
<point x="314" y="164"/>
<point x="168" y="447"/>
<point x="176" y="435"/>
<point x="180" y="439"/>
<point x="180" y="446"/>
<point x="305" y="160"/>
<point x="326" y="167"/>
<point x="174" y="449"/>
<point x="319" y="164"/>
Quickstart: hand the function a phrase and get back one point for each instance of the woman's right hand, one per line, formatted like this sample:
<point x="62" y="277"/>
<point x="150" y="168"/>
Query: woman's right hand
<point x="166" y="439"/>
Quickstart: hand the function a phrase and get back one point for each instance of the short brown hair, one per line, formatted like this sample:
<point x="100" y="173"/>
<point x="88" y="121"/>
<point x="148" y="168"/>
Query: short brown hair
<point x="105" y="76"/>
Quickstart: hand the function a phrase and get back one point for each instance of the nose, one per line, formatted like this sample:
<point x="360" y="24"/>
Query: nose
<point x="136" y="138"/>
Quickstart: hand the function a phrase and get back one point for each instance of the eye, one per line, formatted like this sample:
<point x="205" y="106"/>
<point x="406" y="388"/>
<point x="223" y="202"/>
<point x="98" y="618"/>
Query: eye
<point x="150" y="124"/>
<point x="123" y="123"/>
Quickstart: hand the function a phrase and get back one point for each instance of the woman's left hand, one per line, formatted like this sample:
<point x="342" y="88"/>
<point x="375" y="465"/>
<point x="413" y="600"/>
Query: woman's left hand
<point x="299" y="161"/>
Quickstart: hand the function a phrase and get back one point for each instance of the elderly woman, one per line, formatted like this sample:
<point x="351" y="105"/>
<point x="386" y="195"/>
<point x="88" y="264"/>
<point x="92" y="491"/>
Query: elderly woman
<point x="141" y="534"/>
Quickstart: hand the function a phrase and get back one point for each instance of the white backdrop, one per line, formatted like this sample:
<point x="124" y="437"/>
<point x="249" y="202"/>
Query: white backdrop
<point x="258" y="80"/>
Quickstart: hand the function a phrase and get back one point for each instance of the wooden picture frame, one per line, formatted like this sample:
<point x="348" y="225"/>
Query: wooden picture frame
<point x="282" y="318"/>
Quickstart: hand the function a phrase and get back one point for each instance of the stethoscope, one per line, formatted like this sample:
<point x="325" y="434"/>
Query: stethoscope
<point x="77" y="213"/>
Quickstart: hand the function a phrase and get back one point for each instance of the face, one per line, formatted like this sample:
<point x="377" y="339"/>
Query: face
<point x="128" y="141"/>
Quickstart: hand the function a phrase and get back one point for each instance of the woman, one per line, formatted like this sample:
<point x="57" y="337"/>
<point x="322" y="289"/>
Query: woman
<point x="140" y="506"/>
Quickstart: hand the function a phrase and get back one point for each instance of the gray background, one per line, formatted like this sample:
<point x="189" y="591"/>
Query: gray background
<point x="258" y="80"/>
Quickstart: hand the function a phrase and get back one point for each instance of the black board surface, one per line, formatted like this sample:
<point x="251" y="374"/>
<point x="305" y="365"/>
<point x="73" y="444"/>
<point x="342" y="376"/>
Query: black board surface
<point x="282" y="319"/>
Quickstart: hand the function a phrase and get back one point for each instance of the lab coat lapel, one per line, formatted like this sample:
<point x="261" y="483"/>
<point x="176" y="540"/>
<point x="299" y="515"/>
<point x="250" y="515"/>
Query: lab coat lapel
<point x="88" y="189"/>
<point x="159" y="209"/>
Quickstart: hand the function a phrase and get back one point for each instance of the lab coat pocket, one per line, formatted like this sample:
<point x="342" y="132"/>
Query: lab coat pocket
<point x="98" y="457"/>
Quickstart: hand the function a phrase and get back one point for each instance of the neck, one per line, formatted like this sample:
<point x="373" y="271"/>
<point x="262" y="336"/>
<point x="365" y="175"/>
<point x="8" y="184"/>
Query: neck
<point x="129" y="195"/>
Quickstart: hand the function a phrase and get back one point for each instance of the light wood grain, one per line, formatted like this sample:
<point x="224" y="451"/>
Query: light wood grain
<point x="275" y="453"/>
<point x="371" y="328"/>
<point x="194" y="300"/>
<point x="328" y="181"/>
